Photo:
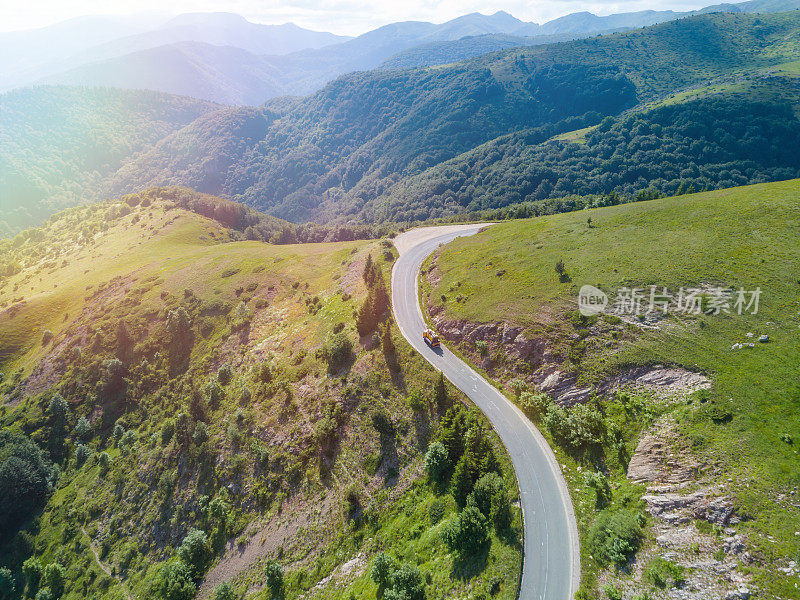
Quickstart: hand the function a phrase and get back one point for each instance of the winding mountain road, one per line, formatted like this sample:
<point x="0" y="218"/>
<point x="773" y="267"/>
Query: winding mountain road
<point x="551" y="558"/>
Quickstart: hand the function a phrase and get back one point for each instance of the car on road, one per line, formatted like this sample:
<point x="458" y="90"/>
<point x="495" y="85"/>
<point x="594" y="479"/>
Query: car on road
<point x="430" y="337"/>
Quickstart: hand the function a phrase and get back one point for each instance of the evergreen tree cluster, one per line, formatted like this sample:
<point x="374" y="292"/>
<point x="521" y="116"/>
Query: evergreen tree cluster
<point x="376" y="305"/>
<point x="463" y="459"/>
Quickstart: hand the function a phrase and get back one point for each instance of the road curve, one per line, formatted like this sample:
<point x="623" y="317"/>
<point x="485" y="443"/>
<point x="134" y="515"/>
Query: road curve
<point x="551" y="564"/>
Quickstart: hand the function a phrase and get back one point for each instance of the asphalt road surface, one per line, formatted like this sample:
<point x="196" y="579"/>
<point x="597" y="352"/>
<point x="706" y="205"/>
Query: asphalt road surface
<point x="551" y="567"/>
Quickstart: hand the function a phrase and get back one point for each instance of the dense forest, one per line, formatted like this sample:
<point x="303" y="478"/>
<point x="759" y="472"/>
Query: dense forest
<point x="338" y="150"/>
<point x="366" y="129"/>
<point x="450" y="51"/>
<point x="711" y="143"/>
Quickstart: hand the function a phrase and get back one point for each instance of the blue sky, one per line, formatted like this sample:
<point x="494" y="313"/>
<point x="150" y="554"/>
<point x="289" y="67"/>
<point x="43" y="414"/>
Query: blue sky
<point x="347" y="17"/>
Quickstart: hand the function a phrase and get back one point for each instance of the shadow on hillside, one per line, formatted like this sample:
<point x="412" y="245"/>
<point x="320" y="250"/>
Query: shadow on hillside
<point x="466" y="568"/>
<point x="422" y="429"/>
<point x="510" y="536"/>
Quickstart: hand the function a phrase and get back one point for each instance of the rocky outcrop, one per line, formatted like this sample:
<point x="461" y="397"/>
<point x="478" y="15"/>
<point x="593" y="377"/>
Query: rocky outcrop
<point x="672" y="506"/>
<point x="511" y="338"/>
<point x="534" y="360"/>
<point x="659" y="457"/>
<point x="661" y="379"/>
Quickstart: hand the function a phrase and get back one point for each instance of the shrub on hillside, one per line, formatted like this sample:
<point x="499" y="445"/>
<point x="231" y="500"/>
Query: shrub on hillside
<point x="54" y="577"/>
<point x="614" y="536"/>
<point x="381" y="571"/>
<point x="396" y="582"/>
<point x="468" y="534"/>
<point x="273" y="579"/>
<point x="58" y="410"/>
<point x="436" y="462"/>
<point x="26" y="479"/>
<point x="491" y="498"/>
<point x="579" y="428"/>
<point x="83" y="428"/>
<point x="112" y="377"/>
<point x="103" y="461"/>
<point x="406" y="584"/>
<point x="195" y="553"/>
<point x="225" y="374"/>
<point x="534" y="405"/>
<point x="337" y="351"/>
<point x="7" y="584"/>
<point x="82" y="454"/>
<point x="213" y="393"/>
<point x="175" y="582"/>
<point x="32" y="572"/>
<point x="225" y="591"/>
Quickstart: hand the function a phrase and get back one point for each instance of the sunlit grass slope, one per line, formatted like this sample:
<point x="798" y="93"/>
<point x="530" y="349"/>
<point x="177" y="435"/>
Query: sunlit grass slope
<point x="167" y="247"/>
<point x="224" y="393"/>
<point x="742" y="237"/>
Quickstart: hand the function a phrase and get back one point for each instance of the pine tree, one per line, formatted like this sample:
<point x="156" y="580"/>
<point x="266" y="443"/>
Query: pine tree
<point x="366" y="320"/>
<point x="376" y="305"/>
<point x="368" y="271"/>
<point x="452" y="431"/>
<point x="124" y="340"/>
<point x="381" y="297"/>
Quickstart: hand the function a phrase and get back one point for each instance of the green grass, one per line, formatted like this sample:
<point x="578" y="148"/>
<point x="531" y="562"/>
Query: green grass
<point x="179" y="249"/>
<point x="737" y="237"/>
<point x="791" y="69"/>
<point x="578" y="136"/>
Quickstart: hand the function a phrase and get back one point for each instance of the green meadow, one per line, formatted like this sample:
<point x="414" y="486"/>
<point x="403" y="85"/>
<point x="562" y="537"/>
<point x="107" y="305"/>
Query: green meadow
<point x="748" y="423"/>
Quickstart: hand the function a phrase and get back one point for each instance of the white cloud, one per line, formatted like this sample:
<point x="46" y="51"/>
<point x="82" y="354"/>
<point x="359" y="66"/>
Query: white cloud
<point x="350" y="17"/>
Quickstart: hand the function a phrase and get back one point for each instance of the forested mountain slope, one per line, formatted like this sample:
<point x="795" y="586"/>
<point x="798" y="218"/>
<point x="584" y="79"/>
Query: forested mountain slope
<point x="59" y="145"/>
<point x="373" y="145"/>
<point x="720" y="141"/>
<point x="348" y="144"/>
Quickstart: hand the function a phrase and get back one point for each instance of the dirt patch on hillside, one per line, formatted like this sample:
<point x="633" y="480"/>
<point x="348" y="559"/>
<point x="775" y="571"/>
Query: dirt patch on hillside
<point x="297" y="521"/>
<point x="351" y="279"/>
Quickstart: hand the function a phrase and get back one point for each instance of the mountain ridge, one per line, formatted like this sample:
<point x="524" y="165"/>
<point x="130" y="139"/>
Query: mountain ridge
<point x="309" y="69"/>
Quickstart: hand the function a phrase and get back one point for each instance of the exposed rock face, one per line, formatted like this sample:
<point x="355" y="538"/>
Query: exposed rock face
<point x="563" y="388"/>
<point x="513" y="340"/>
<point x="670" y="380"/>
<point x="671" y="506"/>
<point x="658" y="457"/>
<point x="542" y="368"/>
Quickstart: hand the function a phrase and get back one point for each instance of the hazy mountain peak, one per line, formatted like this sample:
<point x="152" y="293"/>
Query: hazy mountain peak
<point x="202" y="18"/>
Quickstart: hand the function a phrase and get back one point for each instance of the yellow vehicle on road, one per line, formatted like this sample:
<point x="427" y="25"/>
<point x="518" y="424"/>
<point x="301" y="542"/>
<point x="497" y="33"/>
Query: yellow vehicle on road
<point x="430" y="338"/>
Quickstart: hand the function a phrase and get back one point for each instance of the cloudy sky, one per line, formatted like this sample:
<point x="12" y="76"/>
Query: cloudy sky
<point x="349" y="17"/>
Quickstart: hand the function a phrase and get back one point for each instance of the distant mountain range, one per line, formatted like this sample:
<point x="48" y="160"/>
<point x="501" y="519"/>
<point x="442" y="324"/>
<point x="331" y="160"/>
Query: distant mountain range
<point x="409" y="144"/>
<point x="29" y="56"/>
<point x="224" y="58"/>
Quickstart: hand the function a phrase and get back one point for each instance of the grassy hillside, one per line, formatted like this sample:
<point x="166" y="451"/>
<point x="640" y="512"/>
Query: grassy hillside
<point x="185" y="410"/>
<point x="741" y="433"/>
